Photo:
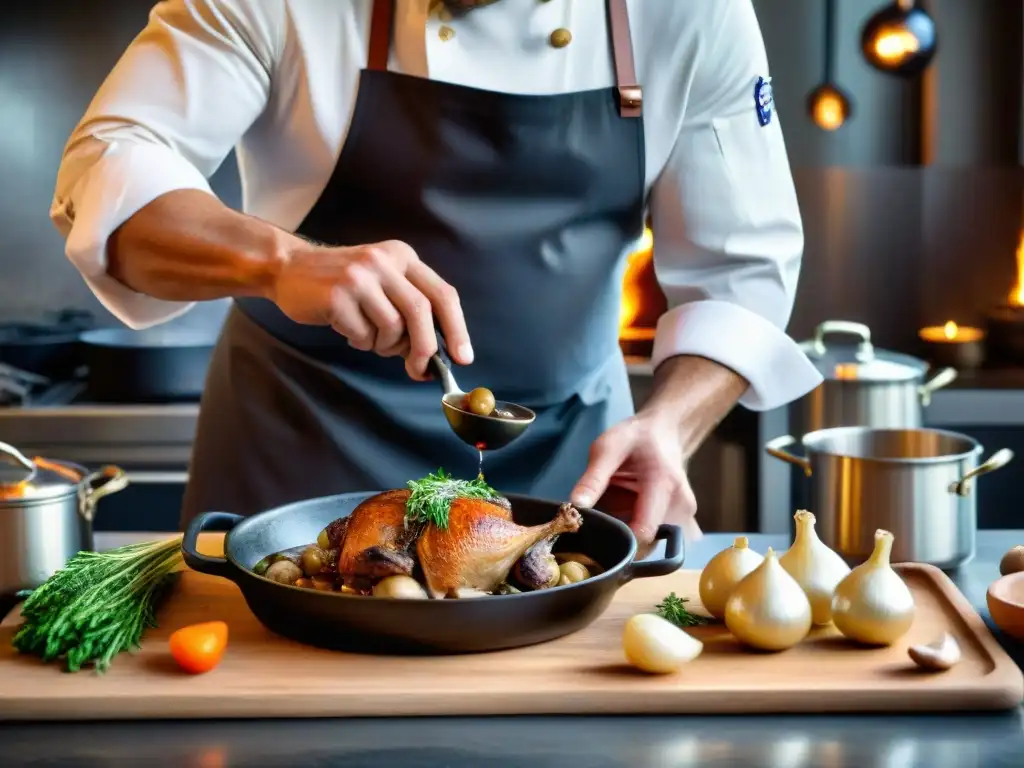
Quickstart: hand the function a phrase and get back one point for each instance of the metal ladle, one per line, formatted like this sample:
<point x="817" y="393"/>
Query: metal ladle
<point x="485" y="433"/>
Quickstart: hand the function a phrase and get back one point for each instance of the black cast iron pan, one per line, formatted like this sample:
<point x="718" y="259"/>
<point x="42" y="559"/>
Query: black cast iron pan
<point x="389" y="625"/>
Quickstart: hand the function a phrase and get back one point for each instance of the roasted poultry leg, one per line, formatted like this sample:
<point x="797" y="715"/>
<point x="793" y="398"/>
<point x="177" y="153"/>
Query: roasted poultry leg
<point x="373" y="541"/>
<point x="480" y="545"/>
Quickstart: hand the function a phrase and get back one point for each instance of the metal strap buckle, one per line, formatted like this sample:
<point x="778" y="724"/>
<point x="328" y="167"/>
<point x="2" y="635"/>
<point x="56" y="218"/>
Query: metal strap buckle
<point x="631" y="96"/>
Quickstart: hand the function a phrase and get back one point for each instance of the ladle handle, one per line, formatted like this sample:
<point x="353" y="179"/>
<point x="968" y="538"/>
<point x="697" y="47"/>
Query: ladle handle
<point x="21" y="459"/>
<point x="442" y="368"/>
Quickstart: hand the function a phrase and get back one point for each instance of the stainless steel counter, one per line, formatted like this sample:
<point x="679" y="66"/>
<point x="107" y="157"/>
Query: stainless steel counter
<point x="151" y="442"/>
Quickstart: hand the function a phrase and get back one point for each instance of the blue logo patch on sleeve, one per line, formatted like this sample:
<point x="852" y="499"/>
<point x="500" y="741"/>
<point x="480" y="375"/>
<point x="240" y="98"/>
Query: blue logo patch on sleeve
<point x="764" y="100"/>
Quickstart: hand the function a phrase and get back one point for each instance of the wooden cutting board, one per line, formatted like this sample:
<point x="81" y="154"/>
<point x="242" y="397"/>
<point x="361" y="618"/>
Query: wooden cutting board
<point x="263" y="675"/>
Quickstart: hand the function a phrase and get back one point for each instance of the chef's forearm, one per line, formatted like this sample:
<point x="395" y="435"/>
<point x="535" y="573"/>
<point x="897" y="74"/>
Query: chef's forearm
<point x="695" y="394"/>
<point x="188" y="246"/>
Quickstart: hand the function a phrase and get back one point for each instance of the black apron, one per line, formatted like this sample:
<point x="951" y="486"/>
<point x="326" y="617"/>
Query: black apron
<point x="527" y="205"/>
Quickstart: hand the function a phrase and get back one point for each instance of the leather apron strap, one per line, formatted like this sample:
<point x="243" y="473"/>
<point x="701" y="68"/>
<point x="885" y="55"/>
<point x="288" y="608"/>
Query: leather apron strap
<point x="628" y="90"/>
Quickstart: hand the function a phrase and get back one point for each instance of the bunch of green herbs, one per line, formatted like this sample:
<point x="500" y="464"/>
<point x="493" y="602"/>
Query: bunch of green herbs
<point x="99" y="604"/>
<point x="673" y="608"/>
<point x="432" y="496"/>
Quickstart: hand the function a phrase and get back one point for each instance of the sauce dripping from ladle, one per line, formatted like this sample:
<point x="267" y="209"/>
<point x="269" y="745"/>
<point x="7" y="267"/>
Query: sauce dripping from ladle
<point x="503" y="423"/>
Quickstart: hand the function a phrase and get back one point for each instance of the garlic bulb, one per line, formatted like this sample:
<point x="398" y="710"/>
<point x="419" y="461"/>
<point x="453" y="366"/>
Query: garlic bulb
<point x="655" y="645"/>
<point x="768" y="609"/>
<point x="872" y="605"/>
<point x="723" y="572"/>
<point x="815" y="567"/>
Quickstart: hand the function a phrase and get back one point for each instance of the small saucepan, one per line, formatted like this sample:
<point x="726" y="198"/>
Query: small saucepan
<point x="388" y="625"/>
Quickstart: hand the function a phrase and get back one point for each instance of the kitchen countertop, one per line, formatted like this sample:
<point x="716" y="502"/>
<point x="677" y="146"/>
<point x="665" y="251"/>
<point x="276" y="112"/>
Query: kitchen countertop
<point x="932" y="741"/>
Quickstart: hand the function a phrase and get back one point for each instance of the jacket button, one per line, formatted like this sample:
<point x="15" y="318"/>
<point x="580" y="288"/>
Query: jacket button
<point x="561" y="37"/>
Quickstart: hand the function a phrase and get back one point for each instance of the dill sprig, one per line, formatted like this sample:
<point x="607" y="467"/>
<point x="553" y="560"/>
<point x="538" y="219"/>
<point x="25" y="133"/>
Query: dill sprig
<point x="99" y="604"/>
<point x="432" y="496"/>
<point x="673" y="609"/>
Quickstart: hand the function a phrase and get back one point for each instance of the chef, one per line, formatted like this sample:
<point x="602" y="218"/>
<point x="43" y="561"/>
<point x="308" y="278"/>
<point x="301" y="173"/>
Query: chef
<point x="479" y="167"/>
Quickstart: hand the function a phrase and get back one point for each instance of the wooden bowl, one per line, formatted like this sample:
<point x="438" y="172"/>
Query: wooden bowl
<point x="1006" y="604"/>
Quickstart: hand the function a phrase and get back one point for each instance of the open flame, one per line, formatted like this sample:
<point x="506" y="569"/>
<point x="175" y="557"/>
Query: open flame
<point x="1017" y="294"/>
<point x="950" y="330"/>
<point x="632" y="293"/>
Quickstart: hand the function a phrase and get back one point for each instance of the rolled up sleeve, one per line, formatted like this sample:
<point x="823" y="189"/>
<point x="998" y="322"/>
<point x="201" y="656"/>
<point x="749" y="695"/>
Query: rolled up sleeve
<point x="728" y="237"/>
<point x="182" y="95"/>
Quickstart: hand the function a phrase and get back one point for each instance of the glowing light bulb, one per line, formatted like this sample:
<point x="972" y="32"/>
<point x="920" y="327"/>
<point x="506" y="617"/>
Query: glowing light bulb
<point x="900" y="39"/>
<point x="829" y="107"/>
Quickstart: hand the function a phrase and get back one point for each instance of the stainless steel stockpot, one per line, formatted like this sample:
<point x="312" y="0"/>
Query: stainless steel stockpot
<point x="917" y="483"/>
<point x="864" y="386"/>
<point x="46" y="514"/>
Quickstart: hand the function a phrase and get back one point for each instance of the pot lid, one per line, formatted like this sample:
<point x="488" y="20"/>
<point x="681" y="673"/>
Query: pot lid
<point x="24" y="478"/>
<point x="858" y="360"/>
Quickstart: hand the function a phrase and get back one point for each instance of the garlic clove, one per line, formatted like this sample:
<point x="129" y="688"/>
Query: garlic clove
<point x="873" y="605"/>
<point x="768" y="610"/>
<point x="816" y="568"/>
<point x="939" y="656"/>
<point x="655" y="645"/>
<point x="723" y="572"/>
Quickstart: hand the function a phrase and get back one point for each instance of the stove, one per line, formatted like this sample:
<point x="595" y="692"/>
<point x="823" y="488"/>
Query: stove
<point x="152" y="442"/>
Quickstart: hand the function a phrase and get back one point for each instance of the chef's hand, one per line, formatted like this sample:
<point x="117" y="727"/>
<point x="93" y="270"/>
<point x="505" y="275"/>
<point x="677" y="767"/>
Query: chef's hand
<point x="637" y="468"/>
<point x="380" y="297"/>
<point x="636" y="472"/>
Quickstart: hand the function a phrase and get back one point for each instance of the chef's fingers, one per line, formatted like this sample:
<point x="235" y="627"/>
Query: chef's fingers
<point x="652" y="503"/>
<point x="607" y="454"/>
<point x="348" y="319"/>
<point x="447" y="309"/>
<point x="401" y="349"/>
<point x="382" y="313"/>
<point x="419" y="322"/>
<point x="683" y="511"/>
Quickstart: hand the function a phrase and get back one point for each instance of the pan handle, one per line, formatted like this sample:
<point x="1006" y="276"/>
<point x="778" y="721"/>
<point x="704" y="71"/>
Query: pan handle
<point x="776" y="448"/>
<point x="675" y="552"/>
<point x="214" y="566"/>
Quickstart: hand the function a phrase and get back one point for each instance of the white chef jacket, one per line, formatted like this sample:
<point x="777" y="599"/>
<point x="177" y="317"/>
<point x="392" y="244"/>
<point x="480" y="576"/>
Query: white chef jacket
<point x="277" y="80"/>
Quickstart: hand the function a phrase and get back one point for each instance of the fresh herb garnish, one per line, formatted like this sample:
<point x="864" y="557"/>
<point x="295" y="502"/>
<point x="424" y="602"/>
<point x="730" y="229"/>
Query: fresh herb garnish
<point x="673" y="609"/>
<point x="432" y="496"/>
<point x="99" y="604"/>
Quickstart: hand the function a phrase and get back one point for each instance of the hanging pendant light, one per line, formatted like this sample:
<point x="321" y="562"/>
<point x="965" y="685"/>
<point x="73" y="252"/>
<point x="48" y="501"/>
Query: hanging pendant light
<point x="828" y="105"/>
<point x="900" y="39"/>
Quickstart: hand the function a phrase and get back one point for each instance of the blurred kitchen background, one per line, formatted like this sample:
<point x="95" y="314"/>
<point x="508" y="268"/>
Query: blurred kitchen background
<point x="913" y="209"/>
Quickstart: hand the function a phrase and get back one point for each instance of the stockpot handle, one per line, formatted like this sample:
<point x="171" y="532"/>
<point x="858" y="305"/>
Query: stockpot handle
<point x="997" y="460"/>
<point x="943" y="378"/>
<point x="777" y="448"/>
<point x="98" y="485"/>
<point x="675" y="553"/>
<point x="214" y="566"/>
<point x="865" y="350"/>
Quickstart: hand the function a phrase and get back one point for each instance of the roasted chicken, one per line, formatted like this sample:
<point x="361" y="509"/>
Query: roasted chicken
<point x="471" y="556"/>
<point x="475" y="553"/>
